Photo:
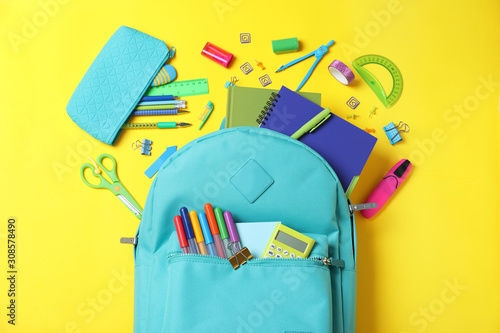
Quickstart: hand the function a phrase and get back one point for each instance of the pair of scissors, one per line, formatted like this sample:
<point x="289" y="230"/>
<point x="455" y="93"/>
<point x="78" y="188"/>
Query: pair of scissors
<point x="317" y="53"/>
<point x="116" y="187"/>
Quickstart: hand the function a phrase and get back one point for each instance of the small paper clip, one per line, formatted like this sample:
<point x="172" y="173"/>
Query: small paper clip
<point x="393" y="132"/>
<point x="234" y="79"/>
<point x="370" y="130"/>
<point x="240" y="257"/>
<point x="145" y="146"/>
<point x="372" y="112"/>
<point x="353" y="116"/>
<point x="246" y="68"/>
<point x="259" y="64"/>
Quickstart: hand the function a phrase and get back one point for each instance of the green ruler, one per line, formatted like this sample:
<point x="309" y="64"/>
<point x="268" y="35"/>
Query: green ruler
<point x="374" y="84"/>
<point x="180" y="88"/>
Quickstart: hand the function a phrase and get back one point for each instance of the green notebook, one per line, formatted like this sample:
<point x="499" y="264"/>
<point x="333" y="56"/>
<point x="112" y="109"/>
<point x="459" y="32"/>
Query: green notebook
<point x="244" y="105"/>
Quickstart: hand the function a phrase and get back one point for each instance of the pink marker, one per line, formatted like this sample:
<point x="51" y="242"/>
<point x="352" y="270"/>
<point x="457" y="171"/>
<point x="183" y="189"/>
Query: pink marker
<point x="387" y="187"/>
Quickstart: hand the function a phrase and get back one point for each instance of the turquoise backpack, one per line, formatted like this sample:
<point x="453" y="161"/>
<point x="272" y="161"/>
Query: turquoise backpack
<point x="259" y="175"/>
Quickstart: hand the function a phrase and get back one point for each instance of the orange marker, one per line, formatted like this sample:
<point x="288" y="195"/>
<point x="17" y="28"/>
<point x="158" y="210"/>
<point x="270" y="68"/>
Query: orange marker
<point x="198" y="234"/>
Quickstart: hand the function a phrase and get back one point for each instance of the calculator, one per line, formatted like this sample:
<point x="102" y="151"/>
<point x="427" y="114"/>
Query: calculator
<point x="288" y="243"/>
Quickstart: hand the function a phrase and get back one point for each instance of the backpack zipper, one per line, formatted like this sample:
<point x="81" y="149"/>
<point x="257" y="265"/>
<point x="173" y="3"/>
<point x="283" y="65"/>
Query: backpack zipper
<point x="326" y="261"/>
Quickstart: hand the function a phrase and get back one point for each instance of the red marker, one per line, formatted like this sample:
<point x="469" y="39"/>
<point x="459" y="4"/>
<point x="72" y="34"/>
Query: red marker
<point x="179" y="227"/>
<point x="214" y="229"/>
<point x="387" y="187"/>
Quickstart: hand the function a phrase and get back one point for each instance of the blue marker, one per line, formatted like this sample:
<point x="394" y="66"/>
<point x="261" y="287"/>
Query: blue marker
<point x="188" y="228"/>
<point x="209" y="241"/>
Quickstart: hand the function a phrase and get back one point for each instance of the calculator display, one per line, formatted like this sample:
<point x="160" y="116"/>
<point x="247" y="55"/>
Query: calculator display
<point x="291" y="241"/>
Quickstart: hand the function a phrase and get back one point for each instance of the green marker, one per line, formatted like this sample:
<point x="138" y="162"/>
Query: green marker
<point x="219" y="216"/>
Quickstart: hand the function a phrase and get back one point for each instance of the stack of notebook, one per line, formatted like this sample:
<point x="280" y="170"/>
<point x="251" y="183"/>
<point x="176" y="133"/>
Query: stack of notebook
<point x="244" y="105"/>
<point x="344" y="146"/>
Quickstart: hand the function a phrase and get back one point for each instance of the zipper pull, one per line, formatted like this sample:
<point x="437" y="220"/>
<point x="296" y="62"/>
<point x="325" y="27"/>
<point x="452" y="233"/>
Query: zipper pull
<point x="354" y="208"/>
<point x="129" y="240"/>
<point x="333" y="262"/>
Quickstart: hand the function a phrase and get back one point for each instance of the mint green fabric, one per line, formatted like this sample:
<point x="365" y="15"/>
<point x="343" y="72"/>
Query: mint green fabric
<point x="188" y="293"/>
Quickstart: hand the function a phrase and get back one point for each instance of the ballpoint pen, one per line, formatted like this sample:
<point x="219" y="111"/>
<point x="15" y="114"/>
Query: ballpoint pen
<point x="188" y="228"/>
<point x="167" y="124"/>
<point x="160" y="112"/>
<point x="317" y="53"/>
<point x="177" y="103"/>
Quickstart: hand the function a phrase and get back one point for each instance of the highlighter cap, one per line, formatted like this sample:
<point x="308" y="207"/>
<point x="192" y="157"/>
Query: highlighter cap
<point x="180" y="231"/>
<point x="186" y="221"/>
<point x="231" y="228"/>
<point x="212" y="222"/>
<point x="196" y="227"/>
<point x="205" y="228"/>
<point x="221" y="223"/>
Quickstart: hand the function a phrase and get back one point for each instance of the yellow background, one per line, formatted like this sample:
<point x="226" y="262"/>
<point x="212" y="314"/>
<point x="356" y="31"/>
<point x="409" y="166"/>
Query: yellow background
<point x="429" y="262"/>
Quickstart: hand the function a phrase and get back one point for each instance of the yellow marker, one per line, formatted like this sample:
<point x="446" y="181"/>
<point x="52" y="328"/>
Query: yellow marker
<point x="198" y="234"/>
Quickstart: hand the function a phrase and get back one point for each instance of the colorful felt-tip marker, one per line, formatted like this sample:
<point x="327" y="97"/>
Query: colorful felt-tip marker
<point x="188" y="228"/>
<point x="179" y="227"/>
<point x="198" y="234"/>
<point x="219" y="216"/>
<point x="214" y="229"/>
<point x="231" y="229"/>
<point x="209" y="241"/>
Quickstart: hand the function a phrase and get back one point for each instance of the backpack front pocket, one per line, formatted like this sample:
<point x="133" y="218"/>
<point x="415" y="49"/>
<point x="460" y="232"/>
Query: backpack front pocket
<point x="205" y="294"/>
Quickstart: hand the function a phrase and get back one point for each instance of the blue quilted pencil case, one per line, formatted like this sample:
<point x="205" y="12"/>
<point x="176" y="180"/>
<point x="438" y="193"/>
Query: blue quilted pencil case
<point x="115" y="82"/>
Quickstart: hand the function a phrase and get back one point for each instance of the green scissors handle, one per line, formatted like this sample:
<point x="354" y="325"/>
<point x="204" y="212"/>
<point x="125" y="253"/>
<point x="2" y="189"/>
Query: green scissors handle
<point x="116" y="187"/>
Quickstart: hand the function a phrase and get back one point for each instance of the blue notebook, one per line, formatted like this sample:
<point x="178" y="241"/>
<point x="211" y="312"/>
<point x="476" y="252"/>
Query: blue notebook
<point x="344" y="146"/>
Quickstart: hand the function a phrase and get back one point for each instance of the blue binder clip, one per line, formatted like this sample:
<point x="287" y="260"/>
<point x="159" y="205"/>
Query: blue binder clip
<point x="145" y="146"/>
<point x="393" y="132"/>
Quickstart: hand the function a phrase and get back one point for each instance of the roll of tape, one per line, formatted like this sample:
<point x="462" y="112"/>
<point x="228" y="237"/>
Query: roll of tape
<point x="341" y="72"/>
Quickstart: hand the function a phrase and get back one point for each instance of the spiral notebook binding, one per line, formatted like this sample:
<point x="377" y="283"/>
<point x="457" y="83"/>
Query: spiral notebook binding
<point x="268" y="108"/>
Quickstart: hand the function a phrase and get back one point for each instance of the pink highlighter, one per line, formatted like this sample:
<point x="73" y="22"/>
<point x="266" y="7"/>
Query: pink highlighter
<point x="387" y="187"/>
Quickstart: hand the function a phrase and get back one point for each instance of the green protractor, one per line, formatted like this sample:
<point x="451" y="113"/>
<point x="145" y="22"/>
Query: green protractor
<point x="374" y="84"/>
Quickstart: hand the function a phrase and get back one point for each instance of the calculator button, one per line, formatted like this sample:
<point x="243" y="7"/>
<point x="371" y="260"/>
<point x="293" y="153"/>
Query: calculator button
<point x="279" y="249"/>
<point x="279" y="256"/>
<point x="292" y="255"/>
<point x="285" y="252"/>
<point x="270" y="253"/>
<point x="273" y="246"/>
<point x="299" y="257"/>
